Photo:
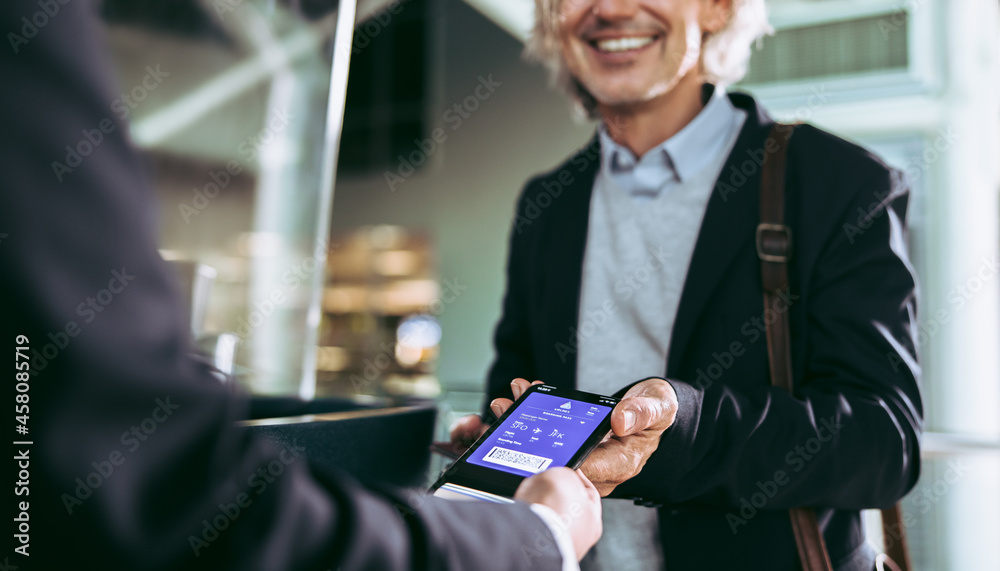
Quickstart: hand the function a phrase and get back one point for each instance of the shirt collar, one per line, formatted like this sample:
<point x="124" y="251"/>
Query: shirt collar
<point x="688" y="151"/>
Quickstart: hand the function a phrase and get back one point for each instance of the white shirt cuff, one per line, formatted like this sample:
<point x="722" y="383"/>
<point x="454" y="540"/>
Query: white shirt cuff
<point x="561" y="534"/>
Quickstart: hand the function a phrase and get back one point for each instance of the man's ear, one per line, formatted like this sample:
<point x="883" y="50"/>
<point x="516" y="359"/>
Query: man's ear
<point x="715" y="14"/>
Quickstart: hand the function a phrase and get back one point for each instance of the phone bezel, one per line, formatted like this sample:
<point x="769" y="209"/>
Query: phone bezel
<point x="505" y="484"/>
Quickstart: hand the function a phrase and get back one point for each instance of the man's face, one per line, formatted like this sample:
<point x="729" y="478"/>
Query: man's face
<point x="631" y="51"/>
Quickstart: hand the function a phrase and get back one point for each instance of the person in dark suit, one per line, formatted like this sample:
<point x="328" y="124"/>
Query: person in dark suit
<point x="130" y="458"/>
<point x="633" y="270"/>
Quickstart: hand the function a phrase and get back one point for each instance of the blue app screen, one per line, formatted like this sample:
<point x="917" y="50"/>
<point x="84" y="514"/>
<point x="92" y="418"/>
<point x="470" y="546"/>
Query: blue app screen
<point x="544" y="431"/>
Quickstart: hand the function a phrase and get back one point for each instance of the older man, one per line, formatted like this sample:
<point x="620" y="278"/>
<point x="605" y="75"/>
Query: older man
<point x="633" y="270"/>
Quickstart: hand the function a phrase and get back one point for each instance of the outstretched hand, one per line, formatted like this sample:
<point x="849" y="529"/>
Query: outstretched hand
<point x="637" y="422"/>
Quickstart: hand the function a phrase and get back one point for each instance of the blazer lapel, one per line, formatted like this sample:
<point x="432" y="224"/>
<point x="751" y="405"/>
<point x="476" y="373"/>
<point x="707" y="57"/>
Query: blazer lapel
<point x="730" y="221"/>
<point x="567" y="240"/>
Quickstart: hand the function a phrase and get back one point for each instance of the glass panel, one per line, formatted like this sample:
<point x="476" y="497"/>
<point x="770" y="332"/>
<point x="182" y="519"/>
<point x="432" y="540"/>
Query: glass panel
<point x="941" y="531"/>
<point x="230" y="103"/>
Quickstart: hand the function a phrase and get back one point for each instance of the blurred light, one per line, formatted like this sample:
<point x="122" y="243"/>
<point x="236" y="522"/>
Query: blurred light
<point x="419" y="331"/>
<point x="407" y="355"/>
<point x="401" y="297"/>
<point x="332" y="359"/>
<point x="384" y="237"/>
<point x="345" y="299"/>
<point x="171" y="255"/>
<point x="396" y="263"/>
<point x="279" y="152"/>
<point x="426" y="386"/>
<point x="260" y="244"/>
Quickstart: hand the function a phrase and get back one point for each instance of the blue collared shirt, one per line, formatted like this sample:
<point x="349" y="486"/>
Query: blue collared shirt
<point x="678" y="158"/>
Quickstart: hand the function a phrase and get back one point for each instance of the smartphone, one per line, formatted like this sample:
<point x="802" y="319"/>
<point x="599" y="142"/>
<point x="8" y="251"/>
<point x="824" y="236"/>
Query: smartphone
<point x="546" y="427"/>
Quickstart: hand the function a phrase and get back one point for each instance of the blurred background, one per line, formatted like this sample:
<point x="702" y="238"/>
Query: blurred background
<point x="385" y="287"/>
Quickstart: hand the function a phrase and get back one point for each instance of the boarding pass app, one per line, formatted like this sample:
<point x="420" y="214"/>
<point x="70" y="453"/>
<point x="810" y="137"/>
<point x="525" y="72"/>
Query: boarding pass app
<point x="543" y="431"/>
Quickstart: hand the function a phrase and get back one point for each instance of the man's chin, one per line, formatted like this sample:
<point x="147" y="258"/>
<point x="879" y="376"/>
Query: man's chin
<point x="632" y="97"/>
<point x="622" y="100"/>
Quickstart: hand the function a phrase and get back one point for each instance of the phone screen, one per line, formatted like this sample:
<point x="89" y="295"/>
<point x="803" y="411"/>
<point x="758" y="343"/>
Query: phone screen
<point x="544" y="431"/>
<point x="547" y="427"/>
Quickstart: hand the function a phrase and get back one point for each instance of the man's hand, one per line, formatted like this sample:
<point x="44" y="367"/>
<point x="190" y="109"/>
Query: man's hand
<point x="637" y="422"/>
<point x="571" y="495"/>
<point x="466" y="430"/>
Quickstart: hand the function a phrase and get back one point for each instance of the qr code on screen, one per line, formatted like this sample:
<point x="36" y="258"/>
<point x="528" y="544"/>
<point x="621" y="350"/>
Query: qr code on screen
<point x="519" y="460"/>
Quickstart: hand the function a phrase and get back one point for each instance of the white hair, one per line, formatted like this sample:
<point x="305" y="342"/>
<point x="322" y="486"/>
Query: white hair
<point x="724" y="54"/>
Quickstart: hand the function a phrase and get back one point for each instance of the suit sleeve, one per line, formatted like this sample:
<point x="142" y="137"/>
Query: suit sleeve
<point x="849" y="436"/>
<point x="512" y="337"/>
<point x="136" y="462"/>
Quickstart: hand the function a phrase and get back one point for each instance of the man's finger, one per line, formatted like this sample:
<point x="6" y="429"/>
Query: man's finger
<point x="518" y="386"/>
<point x="500" y="406"/>
<point x="465" y="428"/>
<point x="649" y="404"/>
<point x="635" y="414"/>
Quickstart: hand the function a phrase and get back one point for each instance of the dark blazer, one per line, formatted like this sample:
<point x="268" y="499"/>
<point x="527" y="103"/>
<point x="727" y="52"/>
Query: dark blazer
<point x="99" y="495"/>
<point x="741" y="452"/>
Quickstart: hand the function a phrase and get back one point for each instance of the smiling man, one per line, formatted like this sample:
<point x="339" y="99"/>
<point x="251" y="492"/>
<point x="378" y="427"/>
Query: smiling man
<point x="642" y="278"/>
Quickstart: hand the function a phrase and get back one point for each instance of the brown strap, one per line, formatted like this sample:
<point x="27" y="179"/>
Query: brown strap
<point x="809" y="540"/>
<point x="894" y="537"/>
<point x="774" y="247"/>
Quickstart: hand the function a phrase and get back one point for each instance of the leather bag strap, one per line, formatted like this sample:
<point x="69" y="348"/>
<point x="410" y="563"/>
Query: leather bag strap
<point x="894" y="537"/>
<point x="774" y="248"/>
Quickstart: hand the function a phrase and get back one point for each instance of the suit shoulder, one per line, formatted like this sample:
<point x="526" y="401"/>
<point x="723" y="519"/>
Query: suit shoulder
<point x="842" y="186"/>
<point x="826" y="156"/>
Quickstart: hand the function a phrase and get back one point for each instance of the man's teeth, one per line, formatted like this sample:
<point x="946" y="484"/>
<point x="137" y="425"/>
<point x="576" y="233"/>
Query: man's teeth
<point x="623" y="44"/>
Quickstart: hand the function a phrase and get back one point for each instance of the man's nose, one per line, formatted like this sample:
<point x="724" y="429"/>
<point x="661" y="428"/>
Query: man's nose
<point x="613" y="10"/>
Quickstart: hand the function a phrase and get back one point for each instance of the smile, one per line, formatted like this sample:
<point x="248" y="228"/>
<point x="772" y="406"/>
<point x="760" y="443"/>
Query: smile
<point x="618" y="45"/>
